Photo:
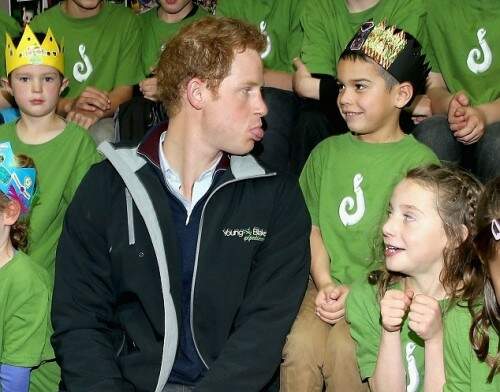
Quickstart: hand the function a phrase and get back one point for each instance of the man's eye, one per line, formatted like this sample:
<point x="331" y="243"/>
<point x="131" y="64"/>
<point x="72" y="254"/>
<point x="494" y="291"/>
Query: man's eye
<point x="360" y="86"/>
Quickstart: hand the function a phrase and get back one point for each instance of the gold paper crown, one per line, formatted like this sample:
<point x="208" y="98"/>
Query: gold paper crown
<point x="384" y="45"/>
<point x="30" y="52"/>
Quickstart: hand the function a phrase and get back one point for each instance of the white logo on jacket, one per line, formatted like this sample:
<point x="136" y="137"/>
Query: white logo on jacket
<point x="475" y="55"/>
<point x="82" y="69"/>
<point x="247" y="234"/>
<point x="346" y="213"/>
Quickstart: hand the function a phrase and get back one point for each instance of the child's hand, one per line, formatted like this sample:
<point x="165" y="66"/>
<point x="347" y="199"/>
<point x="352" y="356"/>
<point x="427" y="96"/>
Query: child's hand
<point x="83" y="118"/>
<point x="425" y="317"/>
<point x="473" y="126"/>
<point x="92" y="100"/>
<point x="459" y="100"/>
<point x="330" y="303"/>
<point x="393" y="308"/>
<point x="149" y="88"/>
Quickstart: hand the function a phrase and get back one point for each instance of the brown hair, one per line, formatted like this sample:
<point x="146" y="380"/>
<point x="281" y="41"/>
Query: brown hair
<point x="19" y="230"/>
<point x="457" y="194"/>
<point x="487" y="249"/>
<point x="204" y="49"/>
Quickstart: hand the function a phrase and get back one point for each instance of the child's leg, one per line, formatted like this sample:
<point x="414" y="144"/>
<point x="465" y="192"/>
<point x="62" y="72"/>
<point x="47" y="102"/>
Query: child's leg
<point x="486" y="153"/>
<point x="304" y="351"/>
<point x="341" y="367"/>
<point x="435" y="133"/>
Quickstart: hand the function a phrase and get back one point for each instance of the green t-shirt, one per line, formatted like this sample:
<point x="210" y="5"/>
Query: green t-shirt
<point x="102" y="51"/>
<point x="25" y="296"/>
<point x="7" y="25"/>
<point x="279" y="19"/>
<point x="61" y="164"/>
<point x="155" y="32"/>
<point x="329" y="26"/>
<point x="363" y="316"/>
<point x="464" y="372"/>
<point x="343" y="170"/>
<point x="464" y="41"/>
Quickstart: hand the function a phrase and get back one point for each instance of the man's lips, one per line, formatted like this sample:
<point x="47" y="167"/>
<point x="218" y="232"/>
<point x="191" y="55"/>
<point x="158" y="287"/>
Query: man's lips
<point x="257" y="133"/>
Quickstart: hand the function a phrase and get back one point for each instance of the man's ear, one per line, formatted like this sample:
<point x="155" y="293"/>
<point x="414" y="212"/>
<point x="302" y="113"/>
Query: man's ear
<point x="404" y="93"/>
<point x="64" y="84"/>
<point x="11" y="212"/>
<point x="195" y="93"/>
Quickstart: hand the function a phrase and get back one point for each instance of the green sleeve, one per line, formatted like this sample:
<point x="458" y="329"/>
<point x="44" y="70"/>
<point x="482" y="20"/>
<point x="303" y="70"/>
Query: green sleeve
<point x="87" y="156"/>
<point x="310" y="183"/>
<point x="362" y="315"/>
<point x="457" y="350"/>
<point x="318" y="43"/>
<point x="25" y="328"/>
<point x="427" y="41"/>
<point x="296" y="34"/>
<point x="130" y="68"/>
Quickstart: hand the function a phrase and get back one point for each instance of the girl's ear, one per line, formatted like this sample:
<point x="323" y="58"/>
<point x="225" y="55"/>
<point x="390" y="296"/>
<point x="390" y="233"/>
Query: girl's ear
<point x="12" y="212"/>
<point x="403" y="94"/>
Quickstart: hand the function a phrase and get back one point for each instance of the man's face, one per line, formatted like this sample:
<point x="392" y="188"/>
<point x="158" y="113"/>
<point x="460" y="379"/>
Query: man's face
<point x="233" y="115"/>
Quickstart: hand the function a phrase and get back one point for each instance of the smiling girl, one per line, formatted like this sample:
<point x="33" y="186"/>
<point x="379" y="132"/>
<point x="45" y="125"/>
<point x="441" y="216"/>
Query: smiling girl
<point x="397" y="323"/>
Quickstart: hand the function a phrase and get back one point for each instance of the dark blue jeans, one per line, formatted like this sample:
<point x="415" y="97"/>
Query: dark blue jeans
<point x="482" y="158"/>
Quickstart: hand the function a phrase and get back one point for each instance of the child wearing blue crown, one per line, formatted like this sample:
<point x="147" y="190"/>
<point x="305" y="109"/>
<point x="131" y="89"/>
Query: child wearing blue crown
<point x="62" y="152"/>
<point x="24" y="286"/>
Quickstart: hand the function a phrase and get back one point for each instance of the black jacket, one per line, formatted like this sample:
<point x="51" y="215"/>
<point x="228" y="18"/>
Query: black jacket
<point x="118" y="276"/>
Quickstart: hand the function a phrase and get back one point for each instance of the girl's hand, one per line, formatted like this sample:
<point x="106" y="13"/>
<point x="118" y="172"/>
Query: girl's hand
<point x="393" y="308"/>
<point x="425" y="317"/>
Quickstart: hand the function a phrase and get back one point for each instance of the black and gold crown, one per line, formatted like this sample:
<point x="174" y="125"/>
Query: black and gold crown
<point x="395" y="50"/>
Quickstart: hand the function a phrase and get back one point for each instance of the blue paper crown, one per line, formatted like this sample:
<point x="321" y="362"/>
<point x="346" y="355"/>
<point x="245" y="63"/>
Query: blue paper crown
<point x="17" y="183"/>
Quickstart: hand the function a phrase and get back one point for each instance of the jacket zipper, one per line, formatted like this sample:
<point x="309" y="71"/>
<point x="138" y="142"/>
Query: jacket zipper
<point x="198" y="251"/>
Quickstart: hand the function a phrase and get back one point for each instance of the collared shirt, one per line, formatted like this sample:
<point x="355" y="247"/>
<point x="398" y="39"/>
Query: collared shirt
<point x="174" y="183"/>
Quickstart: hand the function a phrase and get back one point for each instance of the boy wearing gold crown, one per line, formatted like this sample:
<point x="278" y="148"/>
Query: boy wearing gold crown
<point x="62" y="151"/>
<point x="347" y="182"/>
<point x="328" y="27"/>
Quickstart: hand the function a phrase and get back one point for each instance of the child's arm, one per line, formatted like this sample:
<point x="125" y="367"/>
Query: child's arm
<point x="304" y="84"/>
<point x="93" y="104"/>
<point x="425" y="319"/>
<point x="14" y="378"/>
<point x="389" y="372"/>
<point x="330" y="301"/>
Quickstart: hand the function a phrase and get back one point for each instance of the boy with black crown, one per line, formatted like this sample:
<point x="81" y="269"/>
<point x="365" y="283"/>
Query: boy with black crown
<point x="347" y="182"/>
